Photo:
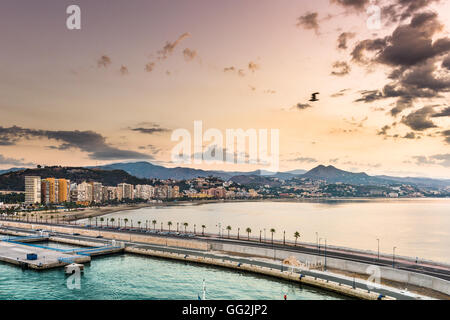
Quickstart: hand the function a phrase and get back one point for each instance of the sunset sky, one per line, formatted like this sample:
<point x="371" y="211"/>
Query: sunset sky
<point x="137" y="70"/>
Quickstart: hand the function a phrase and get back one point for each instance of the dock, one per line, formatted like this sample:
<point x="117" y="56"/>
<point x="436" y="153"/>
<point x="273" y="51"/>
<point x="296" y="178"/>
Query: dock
<point x="17" y="250"/>
<point x="16" y="253"/>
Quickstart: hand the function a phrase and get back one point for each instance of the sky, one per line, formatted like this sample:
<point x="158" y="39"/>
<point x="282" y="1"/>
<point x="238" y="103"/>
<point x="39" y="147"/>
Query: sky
<point x="115" y="90"/>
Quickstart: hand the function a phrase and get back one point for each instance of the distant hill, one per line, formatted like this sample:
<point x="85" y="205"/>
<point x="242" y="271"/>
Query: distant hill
<point x="422" y="182"/>
<point x="16" y="180"/>
<point x="11" y="170"/>
<point x="148" y="170"/>
<point x="333" y="175"/>
<point x="255" y="181"/>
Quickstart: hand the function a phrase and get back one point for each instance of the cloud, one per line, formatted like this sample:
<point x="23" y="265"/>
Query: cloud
<point x="88" y="141"/>
<point x="124" y="70"/>
<point x="150" y="128"/>
<point x="149" y="66"/>
<point x="340" y="93"/>
<point x="420" y="120"/>
<point x="343" y="39"/>
<point x="14" y="162"/>
<point x="446" y="135"/>
<point x="443" y="113"/>
<point x="302" y="106"/>
<point x="303" y="160"/>
<point x="446" y="62"/>
<point x="189" y="54"/>
<point x="438" y="159"/>
<point x="252" y="66"/>
<point x="413" y="53"/>
<point x="341" y="68"/>
<point x="104" y="61"/>
<point x="355" y="5"/>
<point x="309" y="21"/>
<point x="229" y="69"/>
<point x="401" y="10"/>
<point x="168" y="49"/>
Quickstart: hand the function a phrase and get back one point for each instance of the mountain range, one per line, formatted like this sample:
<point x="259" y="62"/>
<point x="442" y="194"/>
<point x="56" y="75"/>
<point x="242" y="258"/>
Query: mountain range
<point x="140" y="172"/>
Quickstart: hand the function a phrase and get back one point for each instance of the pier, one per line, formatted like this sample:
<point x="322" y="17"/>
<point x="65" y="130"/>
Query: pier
<point x="22" y="251"/>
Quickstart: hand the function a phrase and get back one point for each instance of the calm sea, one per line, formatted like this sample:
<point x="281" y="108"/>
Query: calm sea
<point x="418" y="228"/>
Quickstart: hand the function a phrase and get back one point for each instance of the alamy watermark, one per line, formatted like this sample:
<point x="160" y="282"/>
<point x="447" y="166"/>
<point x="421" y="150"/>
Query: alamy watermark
<point x="236" y="146"/>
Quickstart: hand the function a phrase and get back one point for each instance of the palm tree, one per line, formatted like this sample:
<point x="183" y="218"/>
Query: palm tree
<point x="51" y="219"/>
<point x="112" y="221"/>
<point x="228" y="229"/>
<point x="101" y="221"/>
<point x="296" y="236"/>
<point x="139" y="224"/>
<point x="248" y="230"/>
<point x="203" y="229"/>
<point x="272" y="231"/>
<point x="169" y="224"/>
<point x="185" y="226"/>
<point x="125" y="221"/>
<point x="154" y="224"/>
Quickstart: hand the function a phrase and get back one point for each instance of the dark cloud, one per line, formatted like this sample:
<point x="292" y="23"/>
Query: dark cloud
<point x="356" y="5"/>
<point x="88" y="141"/>
<point x="446" y="135"/>
<point x="104" y="61"/>
<point x="189" y="54"/>
<point x="443" y="113"/>
<point x="384" y="130"/>
<point x="400" y="10"/>
<point x="413" y="53"/>
<point x="340" y="68"/>
<point x="368" y="96"/>
<point x="343" y="39"/>
<point x="302" y="106"/>
<point x="410" y="135"/>
<point x="309" y="21"/>
<point x="154" y="128"/>
<point x="420" y="120"/>
<point x="446" y="62"/>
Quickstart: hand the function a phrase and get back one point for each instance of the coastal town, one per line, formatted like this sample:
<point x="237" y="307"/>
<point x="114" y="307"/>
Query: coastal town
<point x="50" y="192"/>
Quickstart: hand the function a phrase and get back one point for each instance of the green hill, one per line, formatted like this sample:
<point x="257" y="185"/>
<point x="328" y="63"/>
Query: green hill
<point x="15" y="181"/>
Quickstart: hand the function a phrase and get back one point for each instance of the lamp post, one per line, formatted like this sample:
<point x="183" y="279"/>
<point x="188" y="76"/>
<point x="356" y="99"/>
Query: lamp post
<point x="393" y="257"/>
<point x="378" y="249"/>
<point x="325" y="254"/>
<point x="317" y="240"/>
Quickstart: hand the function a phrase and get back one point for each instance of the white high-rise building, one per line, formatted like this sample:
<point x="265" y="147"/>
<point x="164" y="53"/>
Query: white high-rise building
<point x="32" y="189"/>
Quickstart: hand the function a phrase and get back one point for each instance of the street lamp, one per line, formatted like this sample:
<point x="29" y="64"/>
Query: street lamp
<point x="325" y="254"/>
<point x="378" y="249"/>
<point x="393" y="258"/>
<point x="317" y="240"/>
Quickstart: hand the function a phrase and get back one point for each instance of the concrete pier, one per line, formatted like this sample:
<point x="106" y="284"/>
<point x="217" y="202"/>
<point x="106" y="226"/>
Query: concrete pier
<point x="16" y="253"/>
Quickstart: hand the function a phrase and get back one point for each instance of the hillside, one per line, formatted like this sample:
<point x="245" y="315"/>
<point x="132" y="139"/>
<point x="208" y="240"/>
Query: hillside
<point x="16" y="180"/>
<point x="333" y="175"/>
<point x="254" y="181"/>
<point x="148" y="170"/>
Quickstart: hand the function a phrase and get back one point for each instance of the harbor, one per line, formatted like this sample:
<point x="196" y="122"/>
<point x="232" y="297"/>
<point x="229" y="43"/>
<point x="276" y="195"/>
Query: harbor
<point x="196" y="251"/>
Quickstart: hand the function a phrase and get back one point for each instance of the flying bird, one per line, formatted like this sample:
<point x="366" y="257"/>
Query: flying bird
<point x="314" y="97"/>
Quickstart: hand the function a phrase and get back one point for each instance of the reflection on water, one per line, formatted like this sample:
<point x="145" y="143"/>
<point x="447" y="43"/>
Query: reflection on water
<point x="418" y="228"/>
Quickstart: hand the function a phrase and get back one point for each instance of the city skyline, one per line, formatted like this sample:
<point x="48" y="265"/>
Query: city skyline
<point x="116" y="89"/>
